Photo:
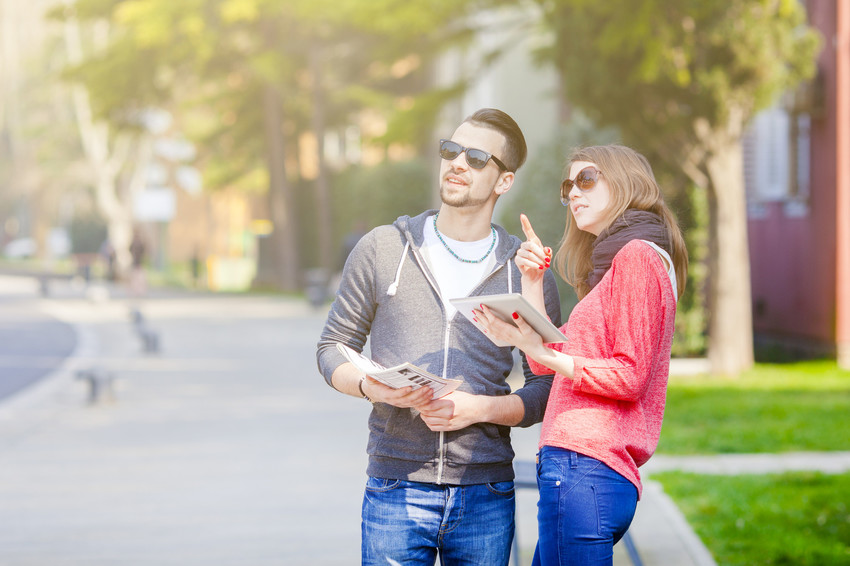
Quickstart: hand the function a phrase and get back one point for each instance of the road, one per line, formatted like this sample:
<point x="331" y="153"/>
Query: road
<point x="32" y="343"/>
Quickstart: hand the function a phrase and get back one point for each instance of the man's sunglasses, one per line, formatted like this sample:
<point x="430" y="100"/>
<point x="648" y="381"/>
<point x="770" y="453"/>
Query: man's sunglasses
<point x="476" y="158"/>
<point x="585" y="180"/>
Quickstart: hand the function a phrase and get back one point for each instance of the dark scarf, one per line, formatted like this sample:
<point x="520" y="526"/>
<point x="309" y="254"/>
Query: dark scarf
<point x="632" y="225"/>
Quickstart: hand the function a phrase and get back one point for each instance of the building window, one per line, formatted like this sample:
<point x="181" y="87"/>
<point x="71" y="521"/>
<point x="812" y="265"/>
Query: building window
<point x="343" y="147"/>
<point x="776" y="150"/>
<point x="800" y="155"/>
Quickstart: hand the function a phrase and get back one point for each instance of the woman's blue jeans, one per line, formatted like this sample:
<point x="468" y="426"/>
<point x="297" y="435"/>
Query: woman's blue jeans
<point x="409" y="523"/>
<point x="585" y="507"/>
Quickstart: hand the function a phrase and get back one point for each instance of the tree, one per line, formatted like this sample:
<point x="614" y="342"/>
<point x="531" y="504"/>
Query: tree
<point x="681" y="79"/>
<point x="40" y="178"/>
<point x="111" y="150"/>
<point x="249" y="78"/>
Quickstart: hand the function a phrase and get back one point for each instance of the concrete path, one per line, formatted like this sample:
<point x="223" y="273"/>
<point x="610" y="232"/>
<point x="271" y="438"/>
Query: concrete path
<point x="225" y="447"/>
<point x="742" y="464"/>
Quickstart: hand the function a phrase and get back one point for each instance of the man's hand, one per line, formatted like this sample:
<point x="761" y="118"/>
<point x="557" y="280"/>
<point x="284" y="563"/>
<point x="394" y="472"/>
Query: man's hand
<point x="455" y="411"/>
<point x="402" y="398"/>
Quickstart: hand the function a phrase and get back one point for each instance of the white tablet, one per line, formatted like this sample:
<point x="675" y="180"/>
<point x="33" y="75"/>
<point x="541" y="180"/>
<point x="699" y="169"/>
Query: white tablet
<point x="504" y="306"/>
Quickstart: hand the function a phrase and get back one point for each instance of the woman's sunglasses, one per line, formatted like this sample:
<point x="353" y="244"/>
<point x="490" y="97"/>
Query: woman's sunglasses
<point x="585" y="180"/>
<point x="476" y="158"/>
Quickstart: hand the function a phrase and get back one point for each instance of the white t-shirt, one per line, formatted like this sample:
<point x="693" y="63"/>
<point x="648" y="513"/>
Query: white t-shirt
<point x="454" y="277"/>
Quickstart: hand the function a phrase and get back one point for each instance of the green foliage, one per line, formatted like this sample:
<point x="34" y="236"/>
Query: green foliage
<point x="656" y="76"/>
<point x="691" y="208"/>
<point x="250" y="80"/>
<point x="411" y="124"/>
<point x="771" y="408"/>
<point x="210" y="60"/>
<point x="797" y="518"/>
<point x="365" y="197"/>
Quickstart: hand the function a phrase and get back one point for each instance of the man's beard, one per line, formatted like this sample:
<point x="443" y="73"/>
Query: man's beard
<point x="460" y="199"/>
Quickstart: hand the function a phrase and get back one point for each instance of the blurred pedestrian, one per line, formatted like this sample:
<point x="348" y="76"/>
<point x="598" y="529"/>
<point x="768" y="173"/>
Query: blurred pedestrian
<point x="350" y="241"/>
<point x="107" y="255"/>
<point x="195" y="266"/>
<point x="348" y="244"/>
<point x="138" y="254"/>
<point x="625" y="256"/>
<point x="440" y="474"/>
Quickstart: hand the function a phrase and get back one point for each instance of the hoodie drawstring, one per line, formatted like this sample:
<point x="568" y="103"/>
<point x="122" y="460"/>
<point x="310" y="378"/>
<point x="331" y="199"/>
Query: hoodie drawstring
<point x="391" y="290"/>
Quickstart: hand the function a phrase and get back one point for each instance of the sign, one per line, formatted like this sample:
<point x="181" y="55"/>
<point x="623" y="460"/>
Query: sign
<point x="154" y="205"/>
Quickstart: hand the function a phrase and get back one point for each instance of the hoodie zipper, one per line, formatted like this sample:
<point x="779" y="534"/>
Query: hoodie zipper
<point x="442" y="443"/>
<point x="446" y="343"/>
<point x="441" y="457"/>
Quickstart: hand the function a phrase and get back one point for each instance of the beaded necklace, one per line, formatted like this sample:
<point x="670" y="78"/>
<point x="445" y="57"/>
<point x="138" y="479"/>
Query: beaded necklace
<point x="457" y="257"/>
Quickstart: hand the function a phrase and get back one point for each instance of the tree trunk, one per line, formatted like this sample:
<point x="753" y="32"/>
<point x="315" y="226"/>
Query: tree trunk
<point x="106" y="162"/>
<point x="323" y="199"/>
<point x="730" y="341"/>
<point x="10" y="115"/>
<point x="278" y="261"/>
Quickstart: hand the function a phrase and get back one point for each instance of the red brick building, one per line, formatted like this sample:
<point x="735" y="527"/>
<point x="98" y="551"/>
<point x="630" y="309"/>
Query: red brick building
<point x="798" y="186"/>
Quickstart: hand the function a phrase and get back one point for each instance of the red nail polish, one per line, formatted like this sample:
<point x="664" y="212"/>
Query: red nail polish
<point x="542" y="267"/>
<point x="515" y="315"/>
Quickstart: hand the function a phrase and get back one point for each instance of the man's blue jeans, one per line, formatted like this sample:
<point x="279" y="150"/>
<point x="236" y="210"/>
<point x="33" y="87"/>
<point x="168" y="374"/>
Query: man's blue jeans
<point x="409" y="523"/>
<point x="585" y="507"/>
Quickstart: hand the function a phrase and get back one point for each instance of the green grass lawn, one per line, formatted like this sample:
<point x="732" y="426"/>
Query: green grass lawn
<point x="772" y="408"/>
<point x="785" y="519"/>
<point x="782" y="519"/>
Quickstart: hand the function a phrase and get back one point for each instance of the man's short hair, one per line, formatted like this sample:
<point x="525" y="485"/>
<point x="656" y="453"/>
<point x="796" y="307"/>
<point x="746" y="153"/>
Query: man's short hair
<point x="515" y="147"/>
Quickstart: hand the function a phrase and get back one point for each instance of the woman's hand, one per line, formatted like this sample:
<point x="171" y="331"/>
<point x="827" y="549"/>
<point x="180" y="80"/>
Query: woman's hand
<point x="532" y="258"/>
<point x="523" y="336"/>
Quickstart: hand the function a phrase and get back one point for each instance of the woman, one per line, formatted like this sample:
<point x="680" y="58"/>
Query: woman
<point x="624" y="254"/>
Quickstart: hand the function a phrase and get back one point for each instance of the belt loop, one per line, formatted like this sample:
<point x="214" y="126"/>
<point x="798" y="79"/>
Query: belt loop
<point x="573" y="459"/>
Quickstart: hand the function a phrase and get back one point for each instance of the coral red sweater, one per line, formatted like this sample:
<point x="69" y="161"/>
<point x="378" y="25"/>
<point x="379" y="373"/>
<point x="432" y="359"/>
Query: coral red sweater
<point x="620" y="336"/>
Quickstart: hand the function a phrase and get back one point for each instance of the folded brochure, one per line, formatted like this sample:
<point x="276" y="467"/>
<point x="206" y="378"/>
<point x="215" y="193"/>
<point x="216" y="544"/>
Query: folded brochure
<point x="402" y="375"/>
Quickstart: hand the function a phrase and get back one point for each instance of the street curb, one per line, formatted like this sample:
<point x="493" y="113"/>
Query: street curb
<point x="698" y="552"/>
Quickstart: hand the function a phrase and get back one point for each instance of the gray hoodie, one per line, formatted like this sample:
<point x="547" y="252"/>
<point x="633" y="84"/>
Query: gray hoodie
<point x="388" y="295"/>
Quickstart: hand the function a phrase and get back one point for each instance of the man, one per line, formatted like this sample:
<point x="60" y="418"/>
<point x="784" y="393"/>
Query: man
<point x="440" y="471"/>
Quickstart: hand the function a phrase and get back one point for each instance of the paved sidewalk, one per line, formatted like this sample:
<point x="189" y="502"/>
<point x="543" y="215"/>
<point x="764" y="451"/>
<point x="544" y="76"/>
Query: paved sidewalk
<point x="742" y="464"/>
<point x="225" y="447"/>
